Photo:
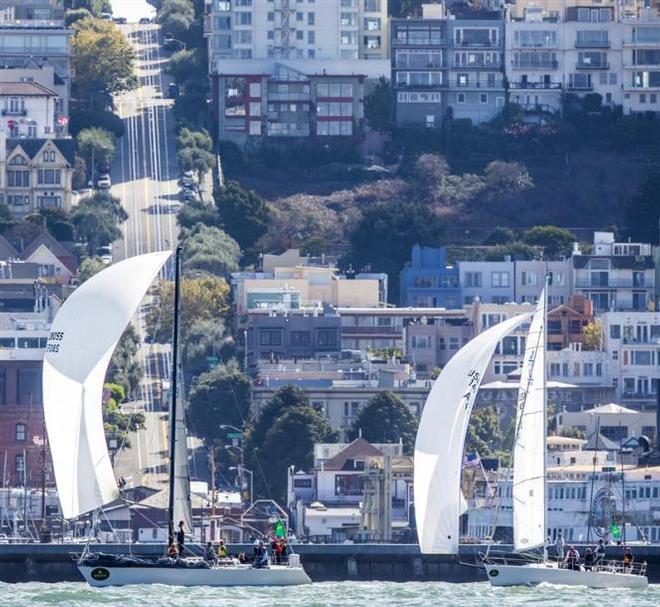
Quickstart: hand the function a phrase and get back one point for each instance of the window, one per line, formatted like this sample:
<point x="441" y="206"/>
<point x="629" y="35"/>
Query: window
<point x="29" y="387"/>
<point x="453" y="343"/>
<point x="270" y="337"/>
<point x="529" y="279"/>
<point x="372" y="42"/>
<point x="310" y="19"/>
<point x="19" y="463"/>
<point x="49" y="177"/>
<point x="460" y="98"/>
<point x="49" y="156"/>
<point x="348" y="37"/>
<point x="472" y="279"/>
<point x="348" y="19"/>
<point x="18" y="179"/>
<point x="20" y="432"/>
<point x="311" y="38"/>
<point x="302" y="483"/>
<point x="271" y="16"/>
<point x="483" y="98"/>
<point x="371" y="6"/>
<point x="243" y="37"/>
<point x="499" y="279"/>
<point x="615" y="331"/>
<point x="326" y="337"/>
<point x="349" y="484"/>
<point x="372" y="24"/>
<point x="243" y="18"/>
<point x="555" y="369"/>
<point x="28" y="342"/>
<point x="421" y="342"/>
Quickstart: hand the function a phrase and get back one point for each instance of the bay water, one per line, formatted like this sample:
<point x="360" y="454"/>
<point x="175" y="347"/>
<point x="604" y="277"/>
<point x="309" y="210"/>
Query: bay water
<point x="325" y="594"/>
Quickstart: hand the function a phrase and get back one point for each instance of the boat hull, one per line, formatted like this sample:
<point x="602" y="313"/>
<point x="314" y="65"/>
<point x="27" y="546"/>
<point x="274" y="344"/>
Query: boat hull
<point x="234" y="575"/>
<point x="537" y="573"/>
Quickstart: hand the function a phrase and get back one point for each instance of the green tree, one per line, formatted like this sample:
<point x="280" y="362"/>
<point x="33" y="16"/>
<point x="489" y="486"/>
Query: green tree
<point x="642" y="211"/>
<point x="204" y="344"/>
<point x="102" y="59"/>
<point x="75" y="15"/>
<point x="195" y="151"/>
<point x="202" y="298"/>
<point x="88" y="267"/>
<point x="484" y="435"/>
<point x="176" y="17"/>
<point x="187" y="66"/>
<point x="79" y="179"/>
<point x="556" y="242"/>
<point x="384" y="236"/>
<point x="219" y="396"/>
<point x="95" y="146"/>
<point x="116" y="423"/>
<point x="386" y="419"/>
<point x="378" y="106"/>
<point x="500" y="236"/>
<point x="96" y="221"/>
<point x="290" y="442"/>
<point x="209" y="249"/>
<point x="243" y="214"/>
<point x="125" y="368"/>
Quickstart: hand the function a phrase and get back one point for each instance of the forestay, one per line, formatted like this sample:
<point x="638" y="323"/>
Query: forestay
<point x="83" y="337"/>
<point x="441" y="439"/>
<point x="529" y="448"/>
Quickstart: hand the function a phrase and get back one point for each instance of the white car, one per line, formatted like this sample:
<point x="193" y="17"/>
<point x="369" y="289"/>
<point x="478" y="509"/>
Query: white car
<point x="104" y="182"/>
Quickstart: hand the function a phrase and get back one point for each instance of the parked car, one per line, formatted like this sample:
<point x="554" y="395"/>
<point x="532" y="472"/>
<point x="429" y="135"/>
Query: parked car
<point x="186" y="195"/>
<point x="144" y="21"/>
<point x="172" y="44"/>
<point x="106" y="16"/>
<point x="173" y="90"/>
<point x="119" y="20"/>
<point x="104" y="182"/>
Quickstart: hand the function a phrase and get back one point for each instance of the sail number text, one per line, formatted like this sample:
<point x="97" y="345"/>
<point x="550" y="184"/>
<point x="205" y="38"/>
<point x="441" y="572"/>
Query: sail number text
<point x="54" y="340"/>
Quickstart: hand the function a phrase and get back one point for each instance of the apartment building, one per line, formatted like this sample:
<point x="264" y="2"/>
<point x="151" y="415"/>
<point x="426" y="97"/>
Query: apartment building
<point x="275" y="99"/>
<point x="429" y="281"/>
<point x="641" y="62"/>
<point x="489" y="281"/>
<point x="31" y="10"/>
<point x="632" y="340"/>
<point x="29" y="110"/>
<point x="616" y="276"/>
<point x="448" y="65"/>
<point x="300" y="29"/>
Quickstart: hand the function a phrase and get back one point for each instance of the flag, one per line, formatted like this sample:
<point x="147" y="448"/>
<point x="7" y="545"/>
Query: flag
<point x="614" y="532"/>
<point x="278" y="529"/>
<point x="471" y="460"/>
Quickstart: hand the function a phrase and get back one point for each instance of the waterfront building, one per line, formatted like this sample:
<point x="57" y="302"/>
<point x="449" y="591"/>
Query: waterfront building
<point x="282" y="29"/>
<point x="616" y="276"/>
<point x="429" y="281"/>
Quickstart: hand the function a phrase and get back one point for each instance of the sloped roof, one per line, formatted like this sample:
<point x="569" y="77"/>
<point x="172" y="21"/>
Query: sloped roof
<point x="611" y="408"/>
<point x="25" y="89"/>
<point x="49" y="241"/>
<point x="598" y="442"/>
<point x="7" y="250"/>
<point x="32" y="147"/>
<point x="358" y="449"/>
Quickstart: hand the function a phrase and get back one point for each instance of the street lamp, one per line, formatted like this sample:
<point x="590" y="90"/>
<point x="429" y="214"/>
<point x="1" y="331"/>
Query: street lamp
<point x="230" y="427"/>
<point x="241" y="470"/>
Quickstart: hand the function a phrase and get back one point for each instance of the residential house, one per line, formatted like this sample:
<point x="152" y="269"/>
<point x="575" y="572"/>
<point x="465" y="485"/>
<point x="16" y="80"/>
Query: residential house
<point x="428" y="281"/>
<point x="566" y="322"/>
<point x="612" y="421"/>
<point x="489" y="281"/>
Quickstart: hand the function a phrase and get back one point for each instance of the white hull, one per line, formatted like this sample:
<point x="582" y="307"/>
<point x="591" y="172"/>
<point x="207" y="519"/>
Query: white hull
<point x="231" y="575"/>
<point x="537" y="573"/>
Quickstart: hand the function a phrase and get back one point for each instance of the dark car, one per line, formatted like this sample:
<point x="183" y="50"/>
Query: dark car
<point x="172" y="44"/>
<point x="144" y="21"/>
<point x="173" y="90"/>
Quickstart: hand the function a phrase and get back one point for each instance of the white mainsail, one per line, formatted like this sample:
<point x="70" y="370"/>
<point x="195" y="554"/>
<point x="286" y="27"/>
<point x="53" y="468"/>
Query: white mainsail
<point x="441" y="439"/>
<point x="529" y="449"/>
<point x="181" y="485"/>
<point x="83" y="337"/>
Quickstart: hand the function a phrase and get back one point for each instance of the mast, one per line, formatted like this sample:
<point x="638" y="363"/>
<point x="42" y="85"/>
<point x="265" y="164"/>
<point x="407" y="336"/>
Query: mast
<point x="544" y="345"/>
<point x="175" y="373"/>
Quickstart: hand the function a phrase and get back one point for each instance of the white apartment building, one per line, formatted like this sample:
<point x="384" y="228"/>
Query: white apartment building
<point x="577" y="50"/>
<point x="641" y="62"/>
<point x="296" y="29"/>
<point x="632" y="340"/>
<point x="29" y="110"/>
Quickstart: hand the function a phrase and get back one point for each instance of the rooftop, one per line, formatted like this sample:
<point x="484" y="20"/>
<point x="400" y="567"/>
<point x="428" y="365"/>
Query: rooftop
<point x="25" y="89"/>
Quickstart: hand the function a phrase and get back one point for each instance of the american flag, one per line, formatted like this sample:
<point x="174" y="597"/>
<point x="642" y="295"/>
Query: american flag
<point x="471" y="460"/>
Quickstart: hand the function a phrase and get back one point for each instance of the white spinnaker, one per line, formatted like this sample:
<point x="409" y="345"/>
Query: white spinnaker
<point x="83" y="337"/>
<point x="529" y="449"/>
<point x="441" y="439"/>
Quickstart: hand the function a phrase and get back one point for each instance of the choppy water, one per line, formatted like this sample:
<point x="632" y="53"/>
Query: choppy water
<point x="327" y="594"/>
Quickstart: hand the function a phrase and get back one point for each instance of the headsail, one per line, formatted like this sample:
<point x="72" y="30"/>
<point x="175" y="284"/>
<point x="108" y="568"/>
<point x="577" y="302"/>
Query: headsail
<point x="441" y="438"/>
<point x="529" y="449"/>
<point x="83" y="337"/>
<point x="181" y="484"/>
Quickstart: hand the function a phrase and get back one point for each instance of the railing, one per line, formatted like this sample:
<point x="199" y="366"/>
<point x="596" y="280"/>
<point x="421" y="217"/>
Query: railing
<point x="14" y="112"/>
<point x="592" y="44"/>
<point x="592" y="66"/>
<point x="612" y="283"/>
<point x="609" y="566"/>
<point x="580" y="86"/>
<point x="541" y="65"/>
<point x="536" y="85"/>
<point x="371" y="331"/>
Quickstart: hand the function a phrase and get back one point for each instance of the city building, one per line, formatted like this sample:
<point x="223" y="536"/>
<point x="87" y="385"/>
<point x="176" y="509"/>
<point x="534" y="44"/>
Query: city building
<point x="612" y="421"/>
<point x="530" y="277"/>
<point x="566" y="322"/>
<point x="37" y="173"/>
<point x="354" y="491"/>
<point x="31" y="10"/>
<point x="632" y="340"/>
<point x="292" y="98"/>
<point x="616" y="276"/>
<point x="29" y="110"/>
<point x="283" y="29"/>
<point x="447" y="65"/>
<point x="491" y="282"/>
<point x="429" y="281"/>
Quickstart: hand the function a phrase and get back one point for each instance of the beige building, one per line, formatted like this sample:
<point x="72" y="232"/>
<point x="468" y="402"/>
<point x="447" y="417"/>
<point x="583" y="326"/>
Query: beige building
<point x="612" y="421"/>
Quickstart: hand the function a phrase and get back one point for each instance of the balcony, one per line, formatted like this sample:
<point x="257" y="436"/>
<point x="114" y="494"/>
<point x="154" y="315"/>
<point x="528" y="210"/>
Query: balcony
<point x="580" y="86"/>
<point x="638" y="396"/>
<point x="541" y="65"/>
<point x="612" y="283"/>
<point x="592" y="44"/>
<point x="388" y="331"/>
<point x="468" y="44"/>
<point x="592" y="66"/>
<point x="14" y="112"/>
<point x="548" y="86"/>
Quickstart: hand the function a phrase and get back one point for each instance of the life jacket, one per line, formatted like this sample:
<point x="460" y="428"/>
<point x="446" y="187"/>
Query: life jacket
<point x="222" y="551"/>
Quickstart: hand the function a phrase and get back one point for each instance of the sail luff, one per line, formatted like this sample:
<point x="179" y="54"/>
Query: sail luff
<point x="441" y="439"/>
<point x="529" y="502"/>
<point x="82" y="339"/>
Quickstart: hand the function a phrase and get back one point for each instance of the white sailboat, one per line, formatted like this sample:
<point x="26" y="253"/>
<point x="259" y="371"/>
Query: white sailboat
<point x="83" y="337"/>
<point x="439" y="454"/>
<point x="529" y="489"/>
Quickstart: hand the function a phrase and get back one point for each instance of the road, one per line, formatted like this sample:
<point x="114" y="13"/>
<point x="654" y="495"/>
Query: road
<point x="144" y="177"/>
<point x="144" y="174"/>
